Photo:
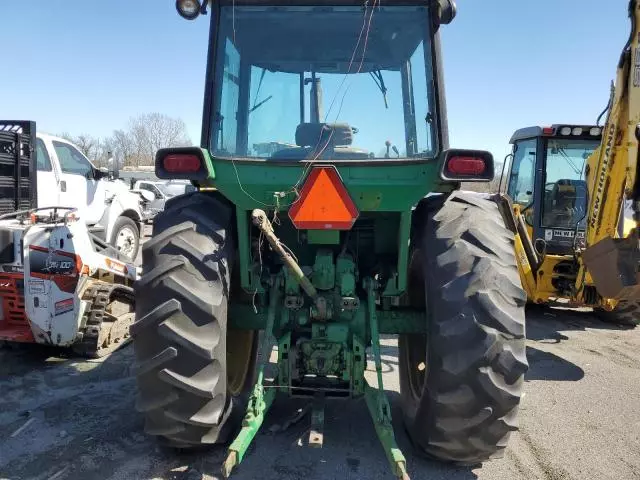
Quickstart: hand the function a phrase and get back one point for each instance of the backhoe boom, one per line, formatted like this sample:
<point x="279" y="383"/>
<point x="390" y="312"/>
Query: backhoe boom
<point x="612" y="174"/>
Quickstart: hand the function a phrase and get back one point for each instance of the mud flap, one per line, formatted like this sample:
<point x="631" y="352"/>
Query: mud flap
<point x="614" y="266"/>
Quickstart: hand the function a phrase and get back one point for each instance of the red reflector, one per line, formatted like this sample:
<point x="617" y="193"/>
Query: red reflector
<point x="547" y="131"/>
<point x="181" y="163"/>
<point x="466" y="166"/>
<point x="324" y="203"/>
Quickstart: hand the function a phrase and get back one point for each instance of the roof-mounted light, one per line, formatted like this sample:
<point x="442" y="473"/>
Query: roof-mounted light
<point x="189" y="9"/>
<point x="547" y="131"/>
<point x="577" y="131"/>
<point x="595" y="131"/>
<point x="565" y="131"/>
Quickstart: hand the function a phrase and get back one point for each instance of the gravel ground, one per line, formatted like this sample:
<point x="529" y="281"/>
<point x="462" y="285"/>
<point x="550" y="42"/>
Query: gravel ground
<point x="61" y="418"/>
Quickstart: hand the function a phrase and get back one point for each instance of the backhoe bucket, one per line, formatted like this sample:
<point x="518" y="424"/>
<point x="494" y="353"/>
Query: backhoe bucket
<point x="613" y="264"/>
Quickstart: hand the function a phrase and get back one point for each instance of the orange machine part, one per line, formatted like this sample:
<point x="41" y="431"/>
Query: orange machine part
<point x="324" y="203"/>
<point x="14" y="325"/>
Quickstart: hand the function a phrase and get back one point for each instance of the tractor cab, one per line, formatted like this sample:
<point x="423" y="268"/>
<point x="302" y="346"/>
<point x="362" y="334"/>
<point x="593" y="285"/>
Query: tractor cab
<point x="548" y="183"/>
<point x="318" y="81"/>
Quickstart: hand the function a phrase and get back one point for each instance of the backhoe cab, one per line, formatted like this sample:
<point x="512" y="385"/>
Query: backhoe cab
<point x="328" y="213"/>
<point x="547" y="183"/>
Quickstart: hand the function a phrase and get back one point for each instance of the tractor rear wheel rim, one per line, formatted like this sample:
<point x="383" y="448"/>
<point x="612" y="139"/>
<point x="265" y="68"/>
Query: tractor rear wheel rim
<point x="239" y="347"/>
<point x="416" y="361"/>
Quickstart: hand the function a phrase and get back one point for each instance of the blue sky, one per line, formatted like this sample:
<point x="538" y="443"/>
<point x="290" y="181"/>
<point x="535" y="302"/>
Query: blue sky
<point x="86" y="67"/>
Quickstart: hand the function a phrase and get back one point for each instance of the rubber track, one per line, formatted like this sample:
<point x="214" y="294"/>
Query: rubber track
<point x="179" y="335"/>
<point x="99" y="294"/>
<point x="476" y="347"/>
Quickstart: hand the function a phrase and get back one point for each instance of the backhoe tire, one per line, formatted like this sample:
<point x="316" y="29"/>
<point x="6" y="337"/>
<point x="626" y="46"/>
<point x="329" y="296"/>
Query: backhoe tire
<point x="180" y="336"/>
<point x="461" y="384"/>
<point x="626" y="313"/>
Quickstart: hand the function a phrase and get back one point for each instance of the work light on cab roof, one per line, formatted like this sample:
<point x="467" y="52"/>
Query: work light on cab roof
<point x="190" y="9"/>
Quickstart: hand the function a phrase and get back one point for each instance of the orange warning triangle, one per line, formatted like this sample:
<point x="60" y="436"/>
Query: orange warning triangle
<point x="324" y="203"/>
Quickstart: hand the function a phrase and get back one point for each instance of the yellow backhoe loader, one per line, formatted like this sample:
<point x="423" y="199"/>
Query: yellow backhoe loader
<point x="575" y="196"/>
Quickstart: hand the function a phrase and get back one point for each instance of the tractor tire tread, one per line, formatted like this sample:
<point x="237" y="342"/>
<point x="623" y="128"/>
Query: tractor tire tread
<point x="476" y="354"/>
<point x="180" y="335"/>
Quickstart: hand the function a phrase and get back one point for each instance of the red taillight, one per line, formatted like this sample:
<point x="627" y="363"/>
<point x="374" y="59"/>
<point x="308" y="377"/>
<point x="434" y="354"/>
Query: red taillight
<point x="471" y="166"/>
<point x="547" y="131"/>
<point x="181" y="163"/>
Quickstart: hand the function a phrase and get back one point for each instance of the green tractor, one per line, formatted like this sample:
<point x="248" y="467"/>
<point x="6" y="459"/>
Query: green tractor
<point x="329" y="213"/>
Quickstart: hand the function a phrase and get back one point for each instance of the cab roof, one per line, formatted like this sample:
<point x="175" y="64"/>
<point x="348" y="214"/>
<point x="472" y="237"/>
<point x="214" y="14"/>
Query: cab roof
<point x="539" y="131"/>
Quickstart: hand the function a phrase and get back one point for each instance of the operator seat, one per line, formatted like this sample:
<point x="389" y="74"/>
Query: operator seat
<point x="322" y="140"/>
<point x="568" y="203"/>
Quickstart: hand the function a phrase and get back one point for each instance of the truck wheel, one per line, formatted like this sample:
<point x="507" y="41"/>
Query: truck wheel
<point x="625" y="313"/>
<point x="461" y="384"/>
<point x="193" y="373"/>
<point x="126" y="238"/>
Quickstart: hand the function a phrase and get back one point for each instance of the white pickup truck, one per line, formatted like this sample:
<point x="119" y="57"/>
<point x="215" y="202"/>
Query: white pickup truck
<point x="65" y="177"/>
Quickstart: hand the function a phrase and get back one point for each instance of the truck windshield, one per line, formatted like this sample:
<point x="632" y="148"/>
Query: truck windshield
<point x="283" y="73"/>
<point x="565" y="194"/>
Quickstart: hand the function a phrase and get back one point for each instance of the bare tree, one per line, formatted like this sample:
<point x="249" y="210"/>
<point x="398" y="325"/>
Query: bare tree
<point x="137" y="144"/>
<point x="123" y="147"/>
<point x="153" y="131"/>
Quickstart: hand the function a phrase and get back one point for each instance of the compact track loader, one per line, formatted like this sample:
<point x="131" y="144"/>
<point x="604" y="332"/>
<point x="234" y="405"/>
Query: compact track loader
<point x="59" y="284"/>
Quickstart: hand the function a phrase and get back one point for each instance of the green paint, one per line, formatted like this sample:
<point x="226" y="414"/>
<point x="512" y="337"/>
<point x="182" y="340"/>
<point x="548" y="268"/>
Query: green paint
<point x="259" y="401"/>
<point x="379" y="187"/>
<point x="380" y="412"/>
<point x="259" y="184"/>
<point x="358" y="365"/>
<point x="284" y="363"/>
<point x="376" y="399"/>
<point x="396" y="321"/>
<point x="323" y="237"/>
<point x="208" y="162"/>
<point x="346" y="274"/>
<point x="324" y="273"/>
<point x="332" y="350"/>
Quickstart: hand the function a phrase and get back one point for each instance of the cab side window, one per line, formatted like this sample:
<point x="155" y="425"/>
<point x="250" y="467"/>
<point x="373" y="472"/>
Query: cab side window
<point x="71" y="160"/>
<point x="44" y="162"/>
<point x="523" y="172"/>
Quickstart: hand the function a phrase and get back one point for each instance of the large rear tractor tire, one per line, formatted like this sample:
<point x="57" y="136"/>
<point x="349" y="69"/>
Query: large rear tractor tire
<point x="194" y="373"/>
<point x="461" y="384"/>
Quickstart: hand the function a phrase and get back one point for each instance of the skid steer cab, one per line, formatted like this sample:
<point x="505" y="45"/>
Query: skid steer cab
<point x="62" y="286"/>
<point x="328" y="213"/>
